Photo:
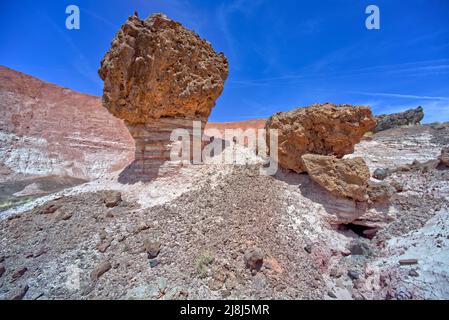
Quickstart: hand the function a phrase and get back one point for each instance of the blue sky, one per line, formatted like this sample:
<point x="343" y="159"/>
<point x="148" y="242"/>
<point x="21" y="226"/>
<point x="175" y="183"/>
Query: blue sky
<point x="282" y="53"/>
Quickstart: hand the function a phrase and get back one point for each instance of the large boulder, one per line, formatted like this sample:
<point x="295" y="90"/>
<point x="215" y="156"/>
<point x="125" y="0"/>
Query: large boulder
<point x="159" y="76"/>
<point x="157" y="68"/>
<point x="346" y="178"/>
<point x="325" y="129"/>
<point x="390" y="121"/>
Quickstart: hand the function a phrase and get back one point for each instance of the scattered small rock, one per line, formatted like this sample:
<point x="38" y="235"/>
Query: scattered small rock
<point x="254" y="259"/>
<point x="152" y="248"/>
<point x="413" y="273"/>
<point x="20" y="293"/>
<point x="231" y="281"/>
<point x="444" y="157"/>
<point x="18" y="273"/>
<point x="225" y="293"/>
<point x="49" y="208"/>
<point x="64" y="216"/>
<point x="331" y="294"/>
<point x="353" y="275"/>
<point x="154" y="263"/>
<point x="215" y="285"/>
<point x="101" y="269"/>
<point x="408" y="262"/>
<point x="336" y="272"/>
<point x="403" y="294"/>
<point x="381" y="174"/>
<point x="2" y="270"/>
<point x="142" y="227"/>
<point x="360" y="248"/>
<point x="109" y="214"/>
<point x="102" y="247"/>
<point x="308" y="248"/>
<point x="103" y="234"/>
<point x="39" y="252"/>
<point x="397" y="186"/>
<point x="112" y="199"/>
<point x="379" y="191"/>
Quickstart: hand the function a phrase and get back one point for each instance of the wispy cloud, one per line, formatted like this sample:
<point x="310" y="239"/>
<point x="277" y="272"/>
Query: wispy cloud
<point x="398" y="95"/>
<point x="80" y="62"/>
<point x="180" y="10"/>
<point x="224" y="14"/>
<point x="101" y="19"/>
<point x="314" y="71"/>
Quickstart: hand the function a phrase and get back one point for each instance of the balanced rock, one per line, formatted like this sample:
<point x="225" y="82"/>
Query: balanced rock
<point x="325" y="129"/>
<point x="390" y="121"/>
<point x="159" y="76"/>
<point x="342" y="177"/>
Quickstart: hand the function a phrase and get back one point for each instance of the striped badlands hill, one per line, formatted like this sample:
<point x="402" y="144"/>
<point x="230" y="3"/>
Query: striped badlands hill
<point x="49" y="130"/>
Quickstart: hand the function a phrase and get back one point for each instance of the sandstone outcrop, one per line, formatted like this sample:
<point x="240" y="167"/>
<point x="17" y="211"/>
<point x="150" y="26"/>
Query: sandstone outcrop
<point x="159" y="76"/>
<point x="346" y="178"/>
<point x="325" y="129"/>
<point x="390" y="121"/>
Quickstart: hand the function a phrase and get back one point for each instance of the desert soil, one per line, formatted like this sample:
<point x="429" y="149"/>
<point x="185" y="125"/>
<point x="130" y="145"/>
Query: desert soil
<point x="201" y="221"/>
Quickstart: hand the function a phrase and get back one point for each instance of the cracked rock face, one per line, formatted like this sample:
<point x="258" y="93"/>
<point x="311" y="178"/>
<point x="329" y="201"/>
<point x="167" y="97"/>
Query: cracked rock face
<point x="156" y="68"/>
<point x="324" y="129"/>
<point x="346" y="178"/>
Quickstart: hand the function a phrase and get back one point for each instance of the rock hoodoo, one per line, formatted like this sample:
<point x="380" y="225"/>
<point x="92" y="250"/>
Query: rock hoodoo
<point x="159" y="76"/>
<point x="324" y="129"/>
<point x="390" y="121"/>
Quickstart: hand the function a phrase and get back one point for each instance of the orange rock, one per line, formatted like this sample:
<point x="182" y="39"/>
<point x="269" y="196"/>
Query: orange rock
<point x="341" y="177"/>
<point x="159" y="76"/>
<point x="156" y="68"/>
<point x="325" y="129"/>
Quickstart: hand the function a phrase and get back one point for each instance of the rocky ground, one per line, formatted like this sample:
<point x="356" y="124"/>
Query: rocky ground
<point x="224" y="231"/>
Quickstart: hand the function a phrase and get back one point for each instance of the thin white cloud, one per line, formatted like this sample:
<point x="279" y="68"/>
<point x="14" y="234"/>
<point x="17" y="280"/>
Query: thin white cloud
<point x="398" y="95"/>
<point x="80" y="63"/>
<point x="415" y="69"/>
<point x="224" y="14"/>
<point x="100" y="19"/>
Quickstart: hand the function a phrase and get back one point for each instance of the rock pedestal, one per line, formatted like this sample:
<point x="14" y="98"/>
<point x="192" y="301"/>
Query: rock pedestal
<point x="158" y="77"/>
<point x="154" y="145"/>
